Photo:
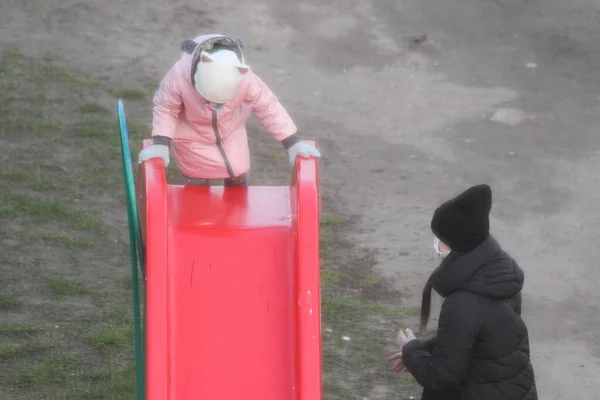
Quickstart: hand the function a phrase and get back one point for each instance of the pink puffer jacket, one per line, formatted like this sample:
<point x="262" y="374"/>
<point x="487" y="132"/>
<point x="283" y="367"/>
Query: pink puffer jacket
<point x="207" y="143"/>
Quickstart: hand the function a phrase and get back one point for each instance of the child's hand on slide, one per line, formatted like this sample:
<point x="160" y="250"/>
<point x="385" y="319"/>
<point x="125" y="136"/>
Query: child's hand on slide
<point x="302" y="149"/>
<point x="155" y="151"/>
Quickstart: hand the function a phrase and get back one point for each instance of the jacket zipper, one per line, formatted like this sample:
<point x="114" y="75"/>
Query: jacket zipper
<point x="220" y="144"/>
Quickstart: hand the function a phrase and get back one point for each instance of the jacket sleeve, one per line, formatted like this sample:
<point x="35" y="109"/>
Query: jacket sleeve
<point x="167" y="106"/>
<point x="270" y="111"/>
<point x="515" y="303"/>
<point x="429" y="344"/>
<point x="445" y="366"/>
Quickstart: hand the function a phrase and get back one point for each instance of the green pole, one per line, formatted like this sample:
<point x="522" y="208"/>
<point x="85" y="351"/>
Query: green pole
<point x="136" y="249"/>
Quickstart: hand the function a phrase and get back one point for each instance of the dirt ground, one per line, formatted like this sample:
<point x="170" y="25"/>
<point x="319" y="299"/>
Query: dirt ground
<point x="501" y="91"/>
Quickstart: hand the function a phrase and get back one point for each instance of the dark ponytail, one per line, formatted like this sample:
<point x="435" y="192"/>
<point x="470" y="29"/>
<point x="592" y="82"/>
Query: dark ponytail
<point x="426" y="299"/>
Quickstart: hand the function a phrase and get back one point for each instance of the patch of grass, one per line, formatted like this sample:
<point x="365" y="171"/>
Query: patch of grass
<point x="390" y="311"/>
<point x="330" y="277"/>
<point x="17" y="330"/>
<point x="62" y="286"/>
<point x="11" y="54"/>
<point x="60" y="75"/>
<point x="331" y="219"/>
<point x="13" y="174"/>
<point x="53" y="370"/>
<point x="9" y="350"/>
<point x="361" y="313"/>
<point x="62" y="239"/>
<point x="66" y="240"/>
<point x="373" y="280"/>
<point x="128" y="93"/>
<point x="324" y="253"/>
<point x="113" y="338"/>
<point x="110" y="382"/>
<point x="17" y="351"/>
<point x="44" y="209"/>
<point x="97" y="127"/>
<point x="8" y="59"/>
<point x="70" y="146"/>
<point x="63" y="170"/>
<point x="336" y="389"/>
<point x="326" y="236"/>
<point x="341" y="310"/>
<point x="9" y="302"/>
<point x="93" y="108"/>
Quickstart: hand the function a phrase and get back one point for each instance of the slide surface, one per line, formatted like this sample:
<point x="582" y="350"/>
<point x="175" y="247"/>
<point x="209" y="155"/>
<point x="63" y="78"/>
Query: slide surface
<point x="232" y="289"/>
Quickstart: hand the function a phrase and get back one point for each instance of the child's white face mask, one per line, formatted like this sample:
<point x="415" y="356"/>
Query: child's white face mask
<point x="219" y="75"/>
<point x="436" y="246"/>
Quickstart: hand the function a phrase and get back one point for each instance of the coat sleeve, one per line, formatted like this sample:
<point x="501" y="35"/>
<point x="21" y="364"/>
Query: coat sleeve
<point x="445" y="366"/>
<point x="268" y="109"/>
<point x="515" y="303"/>
<point x="429" y="344"/>
<point x="167" y="106"/>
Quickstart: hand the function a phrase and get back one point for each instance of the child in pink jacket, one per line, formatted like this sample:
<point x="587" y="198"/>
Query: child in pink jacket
<point x="201" y="108"/>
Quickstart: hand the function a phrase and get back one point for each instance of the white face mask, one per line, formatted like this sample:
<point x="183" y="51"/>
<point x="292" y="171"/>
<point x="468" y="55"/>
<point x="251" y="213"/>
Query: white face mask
<point x="436" y="246"/>
<point x="219" y="76"/>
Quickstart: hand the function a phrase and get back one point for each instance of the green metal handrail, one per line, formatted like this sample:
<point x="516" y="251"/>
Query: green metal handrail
<point x="137" y="252"/>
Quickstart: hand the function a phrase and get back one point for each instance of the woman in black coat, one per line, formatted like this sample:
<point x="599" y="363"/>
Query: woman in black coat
<point x="481" y="350"/>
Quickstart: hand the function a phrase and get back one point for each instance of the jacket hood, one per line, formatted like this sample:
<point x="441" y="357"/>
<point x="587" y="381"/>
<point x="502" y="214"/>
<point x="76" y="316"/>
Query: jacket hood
<point x="193" y="48"/>
<point x="486" y="270"/>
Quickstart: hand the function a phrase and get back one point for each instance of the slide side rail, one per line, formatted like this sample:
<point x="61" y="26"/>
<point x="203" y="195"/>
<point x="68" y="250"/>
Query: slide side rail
<point x="305" y="200"/>
<point x="152" y="200"/>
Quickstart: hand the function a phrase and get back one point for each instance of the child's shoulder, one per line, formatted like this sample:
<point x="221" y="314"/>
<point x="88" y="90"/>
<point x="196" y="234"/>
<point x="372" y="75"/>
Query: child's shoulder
<point x="179" y="68"/>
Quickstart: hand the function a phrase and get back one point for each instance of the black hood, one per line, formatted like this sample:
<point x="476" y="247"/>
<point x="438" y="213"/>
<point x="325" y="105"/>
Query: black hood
<point x="486" y="270"/>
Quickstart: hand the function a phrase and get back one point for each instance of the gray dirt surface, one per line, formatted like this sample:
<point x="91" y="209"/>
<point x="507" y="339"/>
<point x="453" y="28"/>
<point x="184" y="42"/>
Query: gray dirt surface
<point x="500" y="91"/>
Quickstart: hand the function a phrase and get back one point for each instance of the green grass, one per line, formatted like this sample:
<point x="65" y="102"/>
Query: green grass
<point x="61" y="286"/>
<point x="331" y="219"/>
<point x="65" y="240"/>
<point x="113" y="338"/>
<point x="62" y="239"/>
<point x="69" y="333"/>
<point x="373" y="280"/>
<point x="129" y="93"/>
<point x="53" y="370"/>
<point x="359" y="305"/>
<point x="330" y="277"/>
<point x="9" y="302"/>
<point x="16" y="330"/>
<point x="13" y="351"/>
<point x="40" y="209"/>
<point x="93" y="108"/>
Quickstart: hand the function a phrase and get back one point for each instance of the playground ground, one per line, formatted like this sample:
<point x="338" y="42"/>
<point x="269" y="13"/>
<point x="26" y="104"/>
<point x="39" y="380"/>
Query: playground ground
<point x="499" y="91"/>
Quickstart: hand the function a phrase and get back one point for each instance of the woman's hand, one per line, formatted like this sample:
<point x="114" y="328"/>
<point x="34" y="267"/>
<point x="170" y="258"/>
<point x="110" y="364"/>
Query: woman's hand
<point x="398" y="363"/>
<point x="404" y="336"/>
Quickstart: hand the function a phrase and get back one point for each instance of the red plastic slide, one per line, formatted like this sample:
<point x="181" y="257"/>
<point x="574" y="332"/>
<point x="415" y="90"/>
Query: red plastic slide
<point x="232" y="288"/>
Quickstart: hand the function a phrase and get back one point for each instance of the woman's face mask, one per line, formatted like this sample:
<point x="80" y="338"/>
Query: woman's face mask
<point x="441" y="248"/>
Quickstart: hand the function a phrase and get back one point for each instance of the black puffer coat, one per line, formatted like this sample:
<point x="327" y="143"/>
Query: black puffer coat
<point x="482" y="346"/>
